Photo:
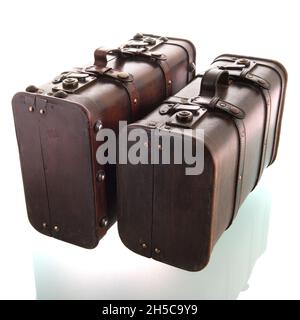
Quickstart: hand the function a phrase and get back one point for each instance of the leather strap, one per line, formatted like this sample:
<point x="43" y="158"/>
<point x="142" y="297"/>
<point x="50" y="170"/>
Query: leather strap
<point x="241" y="164"/>
<point x="209" y="85"/>
<point x="244" y="67"/>
<point x="123" y="78"/>
<point x="267" y="98"/>
<point x="212" y="104"/>
<point x="191" y="62"/>
<point x="166" y="70"/>
<point x="263" y="86"/>
<point x="101" y="53"/>
<point x="100" y="63"/>
<point x="134" y="98"/>
<point x="159" y="59"/>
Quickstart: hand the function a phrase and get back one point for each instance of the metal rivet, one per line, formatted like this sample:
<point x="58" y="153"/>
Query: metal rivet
<point x="144" y="245"/>
<point x="223" y="104"/>
<point x="164" y="109"/>
<point x="44" y="225"/>
<point x="101" y="176"/>
<point x="123" y="75"/>
<point x="30" y="109"/>
<point x="170" y="82"/>
<point x="135" y="100"/>
<point x="60" y="94"/>
<point x="163" y="38"/>
<point x="138" y="36"/>
<point x="42" y="111"/>
<point x="98" y="126"/>
<point x="56" y="228"/>
<point x="250" y="76"/>
<point x="104" y="223"/>
<point x="32" y="89"/>
<point x="146" y="144"/>
<point x="240" y="177"/>
<point x="157" y="251"/>
<point x="244" y="61"/>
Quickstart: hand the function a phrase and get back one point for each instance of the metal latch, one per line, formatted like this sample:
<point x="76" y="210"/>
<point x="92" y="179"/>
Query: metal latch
<point x="238" y="64"/>
<point x="172" y="108"/>
<point x="72" y="81"/>
<point x="182" y="115"/>
<point x="245" y="67"/>
<point x="142" y="45"/>
<point x="199" y="104"/>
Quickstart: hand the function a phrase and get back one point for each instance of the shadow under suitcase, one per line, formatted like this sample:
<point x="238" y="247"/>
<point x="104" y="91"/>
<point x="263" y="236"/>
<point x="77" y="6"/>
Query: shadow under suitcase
<point x="64" y="273"/>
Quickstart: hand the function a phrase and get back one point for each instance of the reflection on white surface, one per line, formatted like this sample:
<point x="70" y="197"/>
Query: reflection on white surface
<point x="111" y="271"/>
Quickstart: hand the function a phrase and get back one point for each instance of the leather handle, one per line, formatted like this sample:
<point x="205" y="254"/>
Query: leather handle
<point x="210" y="81"/>
<point x="100" y="55"/>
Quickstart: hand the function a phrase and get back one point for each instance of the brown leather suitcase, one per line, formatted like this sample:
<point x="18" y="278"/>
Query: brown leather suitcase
<point x="177" y="218"/>
<point x="68" y="194"/>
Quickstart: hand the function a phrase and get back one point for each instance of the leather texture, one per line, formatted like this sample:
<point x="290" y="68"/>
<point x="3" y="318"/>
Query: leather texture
<point x="69" y="195"/>
<point x="179" y="218"/>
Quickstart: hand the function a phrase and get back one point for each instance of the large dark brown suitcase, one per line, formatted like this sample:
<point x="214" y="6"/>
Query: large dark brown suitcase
<point x="68" y="194"/>
<point x="177" y="218"/>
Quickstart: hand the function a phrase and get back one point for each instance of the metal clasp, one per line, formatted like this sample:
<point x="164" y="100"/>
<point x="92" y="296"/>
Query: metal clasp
<point x="72" y="81"/>
<point x="141" y="45"/>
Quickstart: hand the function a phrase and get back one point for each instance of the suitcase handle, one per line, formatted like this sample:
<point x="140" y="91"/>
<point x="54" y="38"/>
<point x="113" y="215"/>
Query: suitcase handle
<point x="210" y="81"/>
<point x="100" y="55"/>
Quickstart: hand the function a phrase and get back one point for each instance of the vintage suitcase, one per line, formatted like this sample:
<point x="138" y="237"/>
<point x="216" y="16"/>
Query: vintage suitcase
<point x="68" y="194"/>
<point x="177" y="218"/>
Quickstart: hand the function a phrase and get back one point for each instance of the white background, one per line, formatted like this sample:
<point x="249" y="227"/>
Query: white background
<point x="40" y="39"/>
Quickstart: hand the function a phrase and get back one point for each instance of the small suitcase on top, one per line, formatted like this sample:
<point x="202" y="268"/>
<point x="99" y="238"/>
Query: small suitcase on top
<point x="68" y="194"/>
<point x="234" y="112"/>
